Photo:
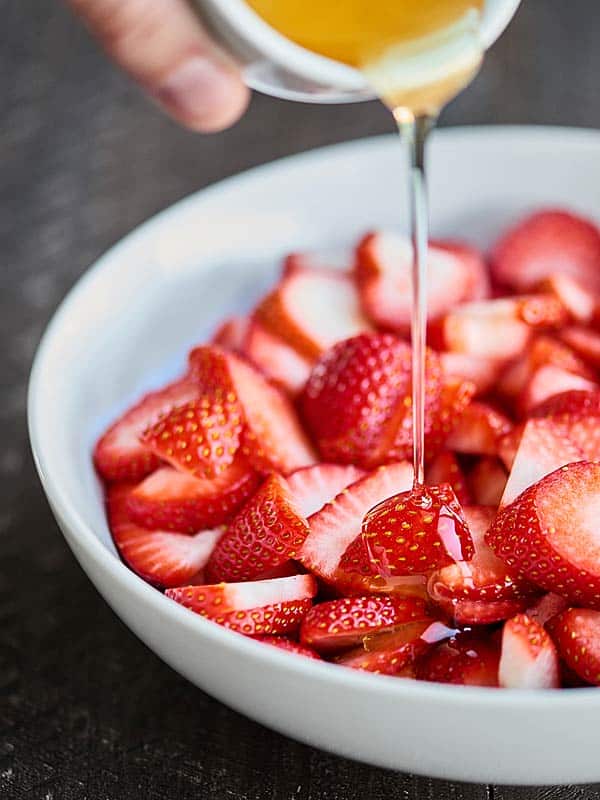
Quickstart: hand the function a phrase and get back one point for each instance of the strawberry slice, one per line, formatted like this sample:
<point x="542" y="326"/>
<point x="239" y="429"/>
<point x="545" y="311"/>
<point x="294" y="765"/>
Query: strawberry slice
<point x="338" y="523"/>
<point x="289" y="645"/>
<point x="445" y="469"/>
<point x="478" y="430"/>
<point x="547" y="607"/>
<point x="491" y="329"/>
<point x="475" y="265"/>
<point x="314" y="486"/>
<point x="584" y="341"/>
<point x="487" y="481"/>
<point x="232" y="334"/>
<point x="470" y="613"/>
<point x="528" y="658"/>
<point x="201" y="437"/>
<point x="316" y="261"/>
<point x="482" y="578"/>
<point x="119" y="455"/>
<point x="161" y="558"/>
<point x="256" y="608"/>
<point x="395" y="652"/>
<point x="578" y="412"/>
<point x="548" y="535"/>
<point x="384" y="275"/>
<point x="417" y="531"/>
<point x="357" y="402"/>
<point x="311" y="310"/>
<point x="549" y="381"/>
<point x="175" y="501"/>
<point x="547" y="243"/>
<point x="543" y="447"/>
<point x="576" y="299"/>
<point x="483" y="372"/>
<point x="275" y="359"/>
<point x="466" y="659"/>
<point x="577" y="636"/>
<point x="509" y="444"/>
<point x="344" y="623"/>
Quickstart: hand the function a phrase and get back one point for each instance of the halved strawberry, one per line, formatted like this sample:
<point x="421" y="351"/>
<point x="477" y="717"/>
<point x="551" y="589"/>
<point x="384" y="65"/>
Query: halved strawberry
<point x="577" y="636"/>
<point x="543" y="447"/>
<point x="466" y="659"/>
<point x="343" y="623"/>
<point x="578" y="413"/>
<point x="232" y="334"/>
<point x="528" y="659"/>
<point x="289" y="645"/>
<point x="548" y="535"/>
<point x="119" y="455"/>
<point x="338" y="523"/>
<point x="483" y="372"/>
<point x="578" y="301"/>
<point x="478" y="430"/>
<point x="276" y="359"/>
<point x="162" y="558"/>
<point x="547" y="243"/>
<point x="384" y="275"/>
<point x="584" y="341"/>
<point x="201" y="437"/>
<point x="445" y="469"/>
<point x="175" y="501"/>
<point x="487" y="481"/>
<point x="548" y="381"/>
<point x="255" y="608"/>
<point x="357" y="402"/>
<point x="417" y="531"/>
<point x="547" y="607"/>
<point x="311" y="310"/>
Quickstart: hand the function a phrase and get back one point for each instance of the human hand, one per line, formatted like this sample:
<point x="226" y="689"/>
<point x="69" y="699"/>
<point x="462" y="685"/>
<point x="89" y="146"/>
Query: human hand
<point x="163" y="46"/>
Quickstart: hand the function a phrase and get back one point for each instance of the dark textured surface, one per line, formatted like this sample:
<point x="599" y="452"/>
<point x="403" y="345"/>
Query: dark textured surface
<point x="85" y="710"/>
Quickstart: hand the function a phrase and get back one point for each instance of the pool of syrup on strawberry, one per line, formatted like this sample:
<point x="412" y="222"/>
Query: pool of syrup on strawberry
<point x="264" y="488"/>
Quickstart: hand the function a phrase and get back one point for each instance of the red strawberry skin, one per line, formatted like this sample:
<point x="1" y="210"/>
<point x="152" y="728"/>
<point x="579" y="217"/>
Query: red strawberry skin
<point x="175" y="501"/>
<point x="393" y="652"/>
<point x="201" y="437"/>
<point x="548" y="535"/>
<point x="466" y="659"/>
<point x="446" y="469"/>
<point x="529" y="659"/>
<point x="577" y="413"/>
<point x="119" y="454"/>
<point x="416" y="532"/>
<point x="268" y="531"/>
<point x="577" y="635"/>
<point x="343" y="623"/>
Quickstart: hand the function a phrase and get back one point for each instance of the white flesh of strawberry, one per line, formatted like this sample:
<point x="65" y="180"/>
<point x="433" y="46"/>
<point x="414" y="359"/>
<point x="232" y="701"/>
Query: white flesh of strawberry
<point x="550" y="380"/>
<point x="312" y="487"/>
<point x="257" y="594"/>
<point x="523" y="667"/>
<point x="489" y="329"/>
<point x="276" y="359"/>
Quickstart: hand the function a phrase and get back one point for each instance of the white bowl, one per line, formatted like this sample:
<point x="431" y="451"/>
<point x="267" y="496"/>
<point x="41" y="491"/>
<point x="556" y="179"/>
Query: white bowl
<point x="127" y="326"/>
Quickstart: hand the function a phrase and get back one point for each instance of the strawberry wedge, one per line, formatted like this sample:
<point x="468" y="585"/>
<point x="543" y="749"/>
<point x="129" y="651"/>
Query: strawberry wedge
<point x="549" y="381"/>
<point x="466" y="659"/>
<point x="528" y="659"/>
<point x="256" y="608"/>
<point x="275" y="359"/>
<point x="578" y="413"/>
<point x="478" y="430"/>
<point x="577" y="635"/>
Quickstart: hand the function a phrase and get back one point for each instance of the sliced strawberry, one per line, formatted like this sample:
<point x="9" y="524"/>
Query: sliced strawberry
<point x="483" y="372"/>
<point x="547" y="607"/>
<point x="275" y="359"/>
<point x="584" y="341"/>
<point x="549" y="381"/>
<point x="344" y="623"/>
<point x="470" y="613"/>
<point x="256" y="608"/>
<point x="384" y="275"/>
<point x="338" y="523"/>
<point x="162" y="558"/>
<point x="445" y="469"/>
<point x="578" y="413"/>
<point x="391" y="653"/>
<point x="577" y="636"/>
<point x="509" y="444"/>
<point x="317" y="261"/>
<point x="357" y="402"/>
<point x="119" y="455"/>
<point x="175" y="501"/>
<point x="314" y="486"/>
<point x="201" y="437"/>
<point x="489" y="329"/>
<point x="576" y="299"/>
<point x="478" y="430"/>
<point x="475" y="265"/>
<point x="466" y="659"/>
<point x="311" y="310"/>
<point x="547" y="243"/>
<point x="487" y="481"/>
<point x="289" y="645"/>
<point x="544" y="447"/>
<point x="416" y="532"/>
<point x="548" y="535"/>
<point x="483" y="578"/>
<point x="529" y="659"/>
<point x="232" y="334"/>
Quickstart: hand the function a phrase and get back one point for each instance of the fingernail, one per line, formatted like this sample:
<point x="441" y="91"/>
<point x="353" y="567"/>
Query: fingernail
<point x="202" y="94"/>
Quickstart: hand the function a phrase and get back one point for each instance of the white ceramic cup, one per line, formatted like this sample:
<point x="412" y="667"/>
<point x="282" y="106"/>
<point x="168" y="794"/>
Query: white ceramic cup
<point x="277" y="66"/>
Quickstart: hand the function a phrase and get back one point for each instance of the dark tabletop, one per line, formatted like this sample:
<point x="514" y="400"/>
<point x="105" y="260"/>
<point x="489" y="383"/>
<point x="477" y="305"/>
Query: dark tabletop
<point x="86" y="711"/>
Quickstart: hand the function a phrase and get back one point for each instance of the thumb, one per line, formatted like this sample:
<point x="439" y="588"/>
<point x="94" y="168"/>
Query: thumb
<point x="163" y="46"/>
